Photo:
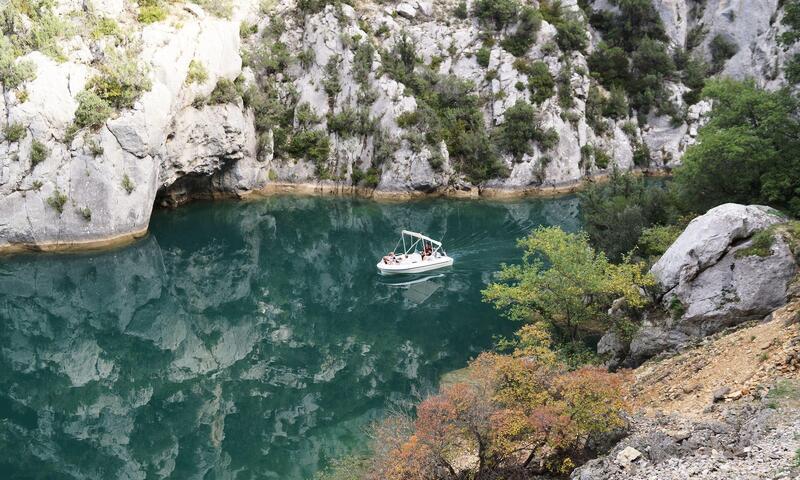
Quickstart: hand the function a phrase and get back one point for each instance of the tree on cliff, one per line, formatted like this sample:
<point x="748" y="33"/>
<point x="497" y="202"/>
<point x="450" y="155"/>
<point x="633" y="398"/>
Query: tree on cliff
<point x="749" y="152"/>
<point x="512" y="415"/>
<point x="565" y="284"/>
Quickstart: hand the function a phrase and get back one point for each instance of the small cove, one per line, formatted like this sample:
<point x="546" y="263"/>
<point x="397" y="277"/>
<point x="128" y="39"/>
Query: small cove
<point x="243" y="339"/>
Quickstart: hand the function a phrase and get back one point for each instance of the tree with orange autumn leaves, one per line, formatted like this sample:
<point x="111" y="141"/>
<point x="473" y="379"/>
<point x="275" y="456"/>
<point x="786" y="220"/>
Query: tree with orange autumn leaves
<point x="513" y="415"/>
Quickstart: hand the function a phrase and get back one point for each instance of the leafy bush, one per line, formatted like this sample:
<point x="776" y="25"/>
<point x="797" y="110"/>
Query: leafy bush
<point x="565" y="284"/>
<point x="721" y="50"/>
<point x="752" y="132"/>
<point x="362" y="62"/>
<point x="332" y="82"/>
<point x="499" y="13"/>
<point x="791" y="20"/>
<point x="634" y="21"/>
<point x="540" y="82"/>
<point x="224" y="92"/>
<point x="482" y="56"/>
<point x="13" y="73"/>
<point x="86" y="213"/>
<point x="350" y="122"/>
<point x="14" y="132"/>
<point x="516" y="415"/>
<point x="655" y="240"/>
<point x="121" y="81"/>
<point x="197" y="73"/>
<point x="609" y="65"/>
<point x="39" y="152"/>
<point x="571" y="35"/>
<point x="461" y="11"/>
<point x="641" y="155"/>
<point x="518" y="43"/>
<point x="151" y="11"/>
<point x="311" y="145"/>
<point x="105" y="27"/>
<point x="616" y="213"/>
<point x="127" y="184"/>
<point x="92" y="110"/>
<point x="518" y="130"/>
<point x="57" y="201"/>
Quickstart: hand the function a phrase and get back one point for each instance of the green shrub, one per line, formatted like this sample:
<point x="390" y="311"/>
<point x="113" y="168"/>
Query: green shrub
<point x="461" y="11"/>
<point x="197" y="73"/>
<point x="601" y="159"/>
<point x="540" y="82"/>
<point x="94" y="148"/>
<point x="151" y="11"/>
<point x="498" y="13"/>
<point x="571" y="35"/>
<point x="57" y="201"/>
<point x="547" y="139"/>
<point x="332" y="82"/>
<point x="483" y="56"/>
<point x="270" y="58"/>
<point x="311" y="145"/>
<point x="224" y="92"/>
<point x="247" y="29"/>
<point x="86" y="213"/>
<point x="721" y="50"/>
<point x="641" y="155"/>
<point x="350" y="122"/>
<point x="121" y="81"/>
<point x="14" y="132"/>
<point x="105" y="27"/>
<point x="518" y="130"/>
<point x="616" y="213"/>
<point x="609" y="65"/>
<point x="92" y="110"/>
<point x="39" y="153"/>
<point x="752" y="132"/>
<point x="12" y="72"/>
<point x="760" y="245"/>
<point x="655" y="240"/>
<point x="524" y="37"/>
<point x="127" y="184"/>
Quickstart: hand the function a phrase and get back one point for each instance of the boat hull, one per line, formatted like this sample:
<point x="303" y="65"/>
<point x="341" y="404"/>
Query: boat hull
<point x="415" y="267"/>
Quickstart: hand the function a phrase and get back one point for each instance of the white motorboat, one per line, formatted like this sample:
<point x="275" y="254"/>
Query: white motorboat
<point x="420" y="254"/>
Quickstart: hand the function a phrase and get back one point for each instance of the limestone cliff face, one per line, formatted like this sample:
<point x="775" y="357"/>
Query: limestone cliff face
<point x="171" y="147"/>
<point x="108" y="178"/>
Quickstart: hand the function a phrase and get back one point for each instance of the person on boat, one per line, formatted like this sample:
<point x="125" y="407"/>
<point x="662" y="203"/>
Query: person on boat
<point x="427" y="251"/>
<point x="390" y="259"/>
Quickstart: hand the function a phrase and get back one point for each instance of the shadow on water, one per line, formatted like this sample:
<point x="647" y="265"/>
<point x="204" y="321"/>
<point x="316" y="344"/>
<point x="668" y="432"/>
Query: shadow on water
<point x="242" y="340"/>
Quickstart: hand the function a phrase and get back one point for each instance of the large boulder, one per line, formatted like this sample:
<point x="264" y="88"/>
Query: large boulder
<point x="731" y="265"/>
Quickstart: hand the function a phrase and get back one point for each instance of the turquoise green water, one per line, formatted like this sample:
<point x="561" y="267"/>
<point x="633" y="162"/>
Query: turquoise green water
<point x="241" y="340"/>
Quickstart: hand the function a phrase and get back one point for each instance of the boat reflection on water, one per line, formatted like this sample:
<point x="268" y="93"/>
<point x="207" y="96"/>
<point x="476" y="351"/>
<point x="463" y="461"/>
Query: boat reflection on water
<point x="416" y="288"/>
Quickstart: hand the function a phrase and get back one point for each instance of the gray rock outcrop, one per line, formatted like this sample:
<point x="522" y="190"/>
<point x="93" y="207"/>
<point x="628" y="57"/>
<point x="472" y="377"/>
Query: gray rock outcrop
<point x="731" y="265"/>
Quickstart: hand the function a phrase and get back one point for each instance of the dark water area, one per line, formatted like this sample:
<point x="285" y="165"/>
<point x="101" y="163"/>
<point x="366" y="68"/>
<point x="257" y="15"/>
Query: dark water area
<point x="242" y="339"/>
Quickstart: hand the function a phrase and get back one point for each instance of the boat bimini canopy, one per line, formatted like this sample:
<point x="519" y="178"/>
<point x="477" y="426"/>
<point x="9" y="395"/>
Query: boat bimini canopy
<point x="414" y="240"/>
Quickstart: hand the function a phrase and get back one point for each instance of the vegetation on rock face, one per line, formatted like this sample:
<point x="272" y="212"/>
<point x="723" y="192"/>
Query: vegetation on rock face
<point x="753" y="132"/>
<point x="122" y="80"/>
<point x="617" y="212"/>
<point x="565" y="284"/>
<point x="57" y="201"/>
<point x="92" y="110"/>
<point x="197" y="73"/>
<point x="39" y="152"/>
<point x="14" y="132"/>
